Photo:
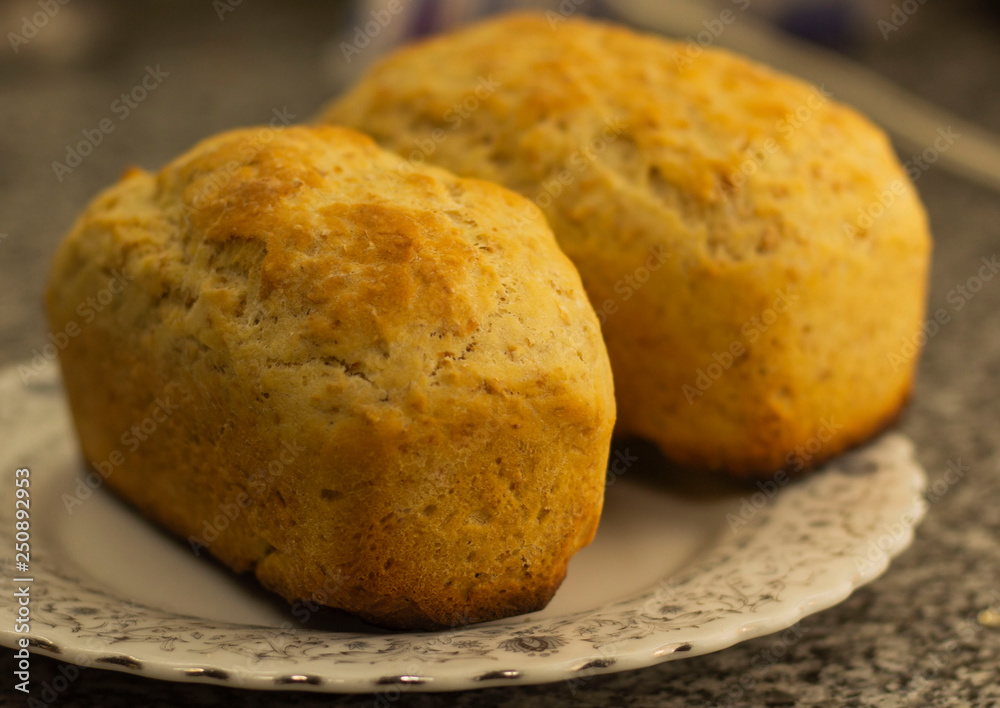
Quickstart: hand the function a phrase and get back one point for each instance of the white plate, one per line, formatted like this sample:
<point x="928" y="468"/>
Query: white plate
<point x="668" y="576"/>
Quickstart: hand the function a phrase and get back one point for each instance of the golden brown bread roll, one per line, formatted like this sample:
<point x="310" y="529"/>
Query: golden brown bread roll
<point x="754" y="249"/>
<point x="392" y="379"/>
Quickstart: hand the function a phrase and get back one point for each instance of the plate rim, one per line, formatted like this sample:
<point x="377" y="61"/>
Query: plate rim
<point x="524" y="666"/>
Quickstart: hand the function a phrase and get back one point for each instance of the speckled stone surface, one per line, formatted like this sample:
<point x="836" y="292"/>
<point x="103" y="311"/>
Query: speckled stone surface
<point x="909" y="639"/>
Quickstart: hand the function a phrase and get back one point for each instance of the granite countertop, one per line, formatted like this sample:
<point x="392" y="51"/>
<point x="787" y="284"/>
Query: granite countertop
<point x="909" y="639"/>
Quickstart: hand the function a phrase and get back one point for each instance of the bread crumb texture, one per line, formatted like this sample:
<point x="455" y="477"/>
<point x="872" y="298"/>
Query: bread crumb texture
<point x="755" y="251"/>
<point x="393" y="374"/>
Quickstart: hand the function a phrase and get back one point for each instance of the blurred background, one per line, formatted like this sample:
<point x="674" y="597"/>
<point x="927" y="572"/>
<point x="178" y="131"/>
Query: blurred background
<point x="68" y="65"/>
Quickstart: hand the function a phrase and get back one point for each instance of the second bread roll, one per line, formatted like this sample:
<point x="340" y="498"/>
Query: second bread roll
<point x="754" y="249"/>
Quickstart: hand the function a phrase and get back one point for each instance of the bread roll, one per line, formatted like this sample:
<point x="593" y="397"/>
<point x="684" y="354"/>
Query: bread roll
<point x="755" y="251"/>
<point x="381" y="389"/>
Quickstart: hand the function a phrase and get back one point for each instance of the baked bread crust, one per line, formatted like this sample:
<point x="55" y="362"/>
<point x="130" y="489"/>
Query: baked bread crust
<point x="391" y="378"/>
<point x="748" y="184"/>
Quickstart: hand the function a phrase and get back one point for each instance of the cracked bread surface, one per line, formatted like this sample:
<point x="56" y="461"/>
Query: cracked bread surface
<point x="386" y="390"/>
<point x="744" y="188"/>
